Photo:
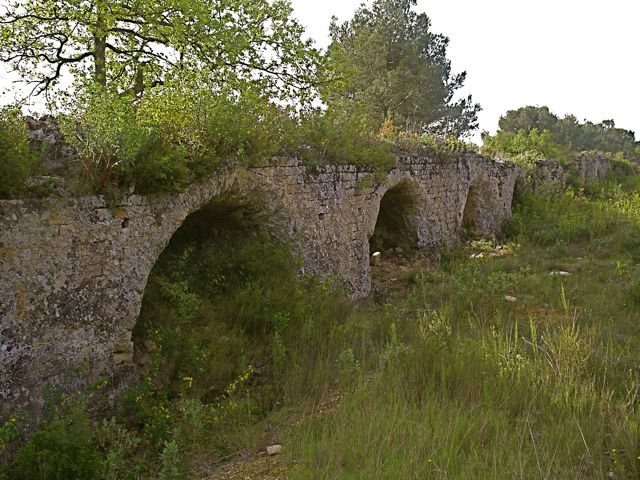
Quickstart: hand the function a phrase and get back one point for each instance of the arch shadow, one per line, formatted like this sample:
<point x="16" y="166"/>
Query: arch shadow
<point x="396" y="224"/>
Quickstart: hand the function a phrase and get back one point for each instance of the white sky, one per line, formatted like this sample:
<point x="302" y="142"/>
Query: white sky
<point x="580" y="57"/>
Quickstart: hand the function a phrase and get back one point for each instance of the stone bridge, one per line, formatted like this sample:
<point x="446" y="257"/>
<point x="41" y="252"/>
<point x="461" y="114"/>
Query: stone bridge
<point x="73" y="270"/>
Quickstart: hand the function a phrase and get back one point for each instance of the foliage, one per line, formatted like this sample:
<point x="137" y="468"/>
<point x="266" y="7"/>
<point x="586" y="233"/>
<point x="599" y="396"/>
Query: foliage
<point x="391" y="66"/>
<point x="216" y="125"/>
<point x="523" y="147"/>
<point x="342" y="136"/>
<point x="567" y="132"/>
<point x="62" y="448"/>
<point x="172" y="135"/>
<point x="8" y="432"/>
<point x="120" y="451"/>
<point x="17" y="160"/>
<point x="131" y="47"/>
<point x="563" y="218"/>
<point x="104" y="131"/>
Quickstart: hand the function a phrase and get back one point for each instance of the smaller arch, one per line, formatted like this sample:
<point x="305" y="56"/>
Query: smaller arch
<point x="396" y="224"/>
<point x="472" y="213"/>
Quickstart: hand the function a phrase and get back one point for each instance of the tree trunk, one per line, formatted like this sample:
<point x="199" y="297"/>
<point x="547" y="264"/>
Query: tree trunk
<point x="138" y="86"/>
<point x="100" y="47"/>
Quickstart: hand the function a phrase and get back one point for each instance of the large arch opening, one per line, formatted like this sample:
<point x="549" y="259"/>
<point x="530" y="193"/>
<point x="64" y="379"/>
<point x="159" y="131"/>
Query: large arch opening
<point x="209" y="297"/>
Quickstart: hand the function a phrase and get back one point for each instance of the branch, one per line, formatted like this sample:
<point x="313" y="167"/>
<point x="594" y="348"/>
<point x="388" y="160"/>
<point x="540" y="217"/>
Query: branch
<point x="139" y="35"/>
<point x="34" y="17"/>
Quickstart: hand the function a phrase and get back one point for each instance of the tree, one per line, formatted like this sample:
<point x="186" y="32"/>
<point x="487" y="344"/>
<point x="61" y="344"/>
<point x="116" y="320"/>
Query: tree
<point x="527" y="119"/>
<point x="391" y="63"/>
<point x="567" y="132"/>
<point x="134" y="44"/>
<point x="522" y="146"/>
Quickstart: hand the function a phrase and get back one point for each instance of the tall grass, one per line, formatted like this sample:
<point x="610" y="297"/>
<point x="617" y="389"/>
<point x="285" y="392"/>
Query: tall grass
<point x="545" y="386"/>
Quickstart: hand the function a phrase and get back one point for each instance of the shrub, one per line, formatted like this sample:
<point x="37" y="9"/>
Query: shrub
<point x="64" y="448"/>
<point x="103" y="129"/>
<point x="215" y="126"/>
<point x="561" y="218"/>
<point x="523" y="147"/>
<point x="159" y="167"/>
<point x="17" y="160"/>
<point x="120" y="455"/>
<point x="335" y="136"/>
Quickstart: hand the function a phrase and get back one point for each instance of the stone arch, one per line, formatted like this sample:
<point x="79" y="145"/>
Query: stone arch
<point x="74" y="270"/>
<point x="228" y="197"/>
<point x="231" y="213"/>
<point x="396" y="219"/>
<point x="490" y="191"/>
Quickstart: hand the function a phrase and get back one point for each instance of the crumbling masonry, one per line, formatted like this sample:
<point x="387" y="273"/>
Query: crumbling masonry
<point x="73" y="270"/>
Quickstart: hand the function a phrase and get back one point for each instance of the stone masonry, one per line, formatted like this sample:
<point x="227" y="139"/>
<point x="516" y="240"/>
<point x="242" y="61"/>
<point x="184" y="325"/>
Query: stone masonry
<point x="73" y="270"/>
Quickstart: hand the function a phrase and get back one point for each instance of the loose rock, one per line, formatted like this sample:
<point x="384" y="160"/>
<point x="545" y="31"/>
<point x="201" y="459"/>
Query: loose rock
<point x="560" y="273"/>
<point x="274" y="449"/>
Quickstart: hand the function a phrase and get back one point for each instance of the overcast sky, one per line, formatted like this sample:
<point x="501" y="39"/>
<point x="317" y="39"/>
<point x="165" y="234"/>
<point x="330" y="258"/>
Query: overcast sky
<point x="575" y="56"/>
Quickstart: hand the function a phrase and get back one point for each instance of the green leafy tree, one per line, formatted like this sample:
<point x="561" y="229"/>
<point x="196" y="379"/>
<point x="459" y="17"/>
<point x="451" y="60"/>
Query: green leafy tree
<point x="523" y="146"/>
<point x="134" y="44"/>
<point x="527" y="118"/>
<point x="568" y="132"/>
<point x="389" y="61"/>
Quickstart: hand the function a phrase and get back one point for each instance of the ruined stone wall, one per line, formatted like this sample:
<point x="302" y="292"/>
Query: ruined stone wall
<point x="592" y="167"/>
<point x="489" y="194"/>
<point x="547" y="171"/>
<point x="73" y="271"/>
<point x="587" y="167"/>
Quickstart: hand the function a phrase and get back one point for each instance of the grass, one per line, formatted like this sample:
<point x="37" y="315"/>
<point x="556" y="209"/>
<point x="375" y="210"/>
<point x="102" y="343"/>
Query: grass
<point x="476" y="385"/>
<point x="449" y="378"/>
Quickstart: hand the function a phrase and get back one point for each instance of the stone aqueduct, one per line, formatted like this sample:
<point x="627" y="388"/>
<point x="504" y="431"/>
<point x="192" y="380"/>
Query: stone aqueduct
<point x="73" y="270"/>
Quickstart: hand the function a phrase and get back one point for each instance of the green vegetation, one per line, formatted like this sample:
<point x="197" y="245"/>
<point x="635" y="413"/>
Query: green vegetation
<point x="171" y="136"/>
<point x="65" y="447"/>
<point x="531" y="133"/>
<point x="17" y="160"/>
<point x="523" y="147"/>
<point x="569" y="132"/>
<point x="496" y="367"/>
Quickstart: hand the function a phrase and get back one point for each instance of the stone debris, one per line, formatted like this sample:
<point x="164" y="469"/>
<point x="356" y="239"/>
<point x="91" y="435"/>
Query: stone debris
<point x="45" y="134"/>
<point x="509" y="298"/>
<point x="274" y="449"/>
<point x="560" y="273"/>
<point x="47" y="184"/>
